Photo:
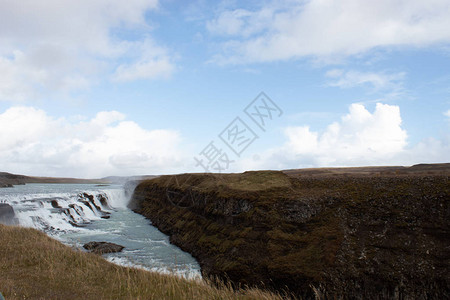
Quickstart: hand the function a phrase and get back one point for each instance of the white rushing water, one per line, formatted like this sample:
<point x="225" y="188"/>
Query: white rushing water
<point x="79" y="213"/>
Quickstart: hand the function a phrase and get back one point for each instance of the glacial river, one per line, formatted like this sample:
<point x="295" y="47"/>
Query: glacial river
<point x="79" y="213"/>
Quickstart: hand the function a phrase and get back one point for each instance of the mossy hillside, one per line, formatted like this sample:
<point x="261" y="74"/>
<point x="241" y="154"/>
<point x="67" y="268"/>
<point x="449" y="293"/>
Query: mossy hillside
<point x="298" y="231"/>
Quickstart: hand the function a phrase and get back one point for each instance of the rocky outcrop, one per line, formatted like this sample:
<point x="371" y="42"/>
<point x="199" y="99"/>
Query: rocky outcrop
<point x="96" y="204"/>
<point x="346" y="236"/>
<point x="103" y="247"/>
<point x="7" y="215"/>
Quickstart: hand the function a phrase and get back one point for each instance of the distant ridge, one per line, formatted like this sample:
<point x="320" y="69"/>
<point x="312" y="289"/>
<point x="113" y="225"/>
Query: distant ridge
<point x="9" y="180"/>
<point x="424" y="169"/>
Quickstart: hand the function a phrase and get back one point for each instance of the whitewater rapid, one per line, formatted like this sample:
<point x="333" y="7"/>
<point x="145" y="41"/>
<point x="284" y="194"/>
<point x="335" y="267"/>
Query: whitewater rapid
<point x="79" y="213"/>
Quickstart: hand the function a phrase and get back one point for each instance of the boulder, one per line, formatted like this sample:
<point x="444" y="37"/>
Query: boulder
<point x="55" y="204"/>
<point x="102" y="247"/>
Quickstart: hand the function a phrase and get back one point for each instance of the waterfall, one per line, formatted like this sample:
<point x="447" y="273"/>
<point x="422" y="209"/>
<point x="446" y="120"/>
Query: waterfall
<point x="67" y="211"/>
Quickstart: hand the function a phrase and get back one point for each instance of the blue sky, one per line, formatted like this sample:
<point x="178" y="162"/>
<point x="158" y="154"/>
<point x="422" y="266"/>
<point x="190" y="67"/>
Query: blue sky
<point x="98" y="88"/>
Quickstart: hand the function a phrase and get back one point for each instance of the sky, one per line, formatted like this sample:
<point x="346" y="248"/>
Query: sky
<point x="93" y="88"/>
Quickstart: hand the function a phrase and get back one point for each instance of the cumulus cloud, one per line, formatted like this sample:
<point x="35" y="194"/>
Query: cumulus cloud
<point x="283" y="30"/>
<point x="359" y="138"/>
<point x="54" y="46"/>
<point x="35" y="143"/>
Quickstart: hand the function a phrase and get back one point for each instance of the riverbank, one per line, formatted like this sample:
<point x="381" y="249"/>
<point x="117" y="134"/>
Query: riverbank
<point x="34" y="266"/>
<point x="366" y="232"/>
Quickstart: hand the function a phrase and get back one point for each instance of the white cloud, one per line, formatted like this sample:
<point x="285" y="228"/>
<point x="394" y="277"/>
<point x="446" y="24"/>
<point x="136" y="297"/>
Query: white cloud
<point x="359" y="138"/>
<point x="239" y="22"/>
<point x="328" y="28"/>
<point x="377" y="80"/>
<point x="54" y="46"/>
<point x="147" y="69"/>
<point x="228" y="23"/>
<point x="154" y="62"/>
<point x="447" y="113"/>
<point x="36" y="143"/>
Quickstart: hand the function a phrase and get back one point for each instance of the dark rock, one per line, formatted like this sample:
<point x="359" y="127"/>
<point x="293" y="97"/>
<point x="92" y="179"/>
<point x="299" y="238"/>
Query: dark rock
<point x="9" y="180"/>
<point x="105" y="217"/>
<point x="55" y="204"/>
<point x="91" y="200"/>
<point x="103" y="247"/>
<point x="76" y="224"/>
<point x="7" y="215"/>
<point x="103" y="200"/>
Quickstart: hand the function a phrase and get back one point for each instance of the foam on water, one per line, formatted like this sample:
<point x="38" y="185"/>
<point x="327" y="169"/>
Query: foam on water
<point x="184" y="272"/>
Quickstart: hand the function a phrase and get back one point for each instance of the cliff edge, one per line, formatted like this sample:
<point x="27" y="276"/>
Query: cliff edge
<point x="358" y="234"/>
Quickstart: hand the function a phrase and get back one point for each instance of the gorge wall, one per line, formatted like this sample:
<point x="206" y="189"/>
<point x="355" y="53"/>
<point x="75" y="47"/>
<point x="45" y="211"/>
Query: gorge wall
<point x="359" y="235"/>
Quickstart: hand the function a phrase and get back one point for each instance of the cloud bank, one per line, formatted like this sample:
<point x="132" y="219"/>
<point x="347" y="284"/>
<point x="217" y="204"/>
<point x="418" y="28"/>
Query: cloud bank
<point x="283" y="30"/>
<point x="35" y="143"/>
<point x="360" y="138"/>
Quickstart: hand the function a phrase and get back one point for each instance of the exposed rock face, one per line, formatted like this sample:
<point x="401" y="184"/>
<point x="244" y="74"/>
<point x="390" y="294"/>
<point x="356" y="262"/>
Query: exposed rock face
<point x="103" y="200"/>
<point x="103" y="247"/>
<point x="7" y="215"/>
<point x="89" y="201"/>
<point x="347" y="236"/>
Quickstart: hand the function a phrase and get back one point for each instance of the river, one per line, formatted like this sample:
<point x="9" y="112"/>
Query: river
<point x="79" y="213"/>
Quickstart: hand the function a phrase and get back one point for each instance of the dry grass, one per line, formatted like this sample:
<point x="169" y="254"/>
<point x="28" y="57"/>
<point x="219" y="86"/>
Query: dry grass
<point x="250" y="181"/>
<point x="255" y="180"/>
<point x="34" y="266"/>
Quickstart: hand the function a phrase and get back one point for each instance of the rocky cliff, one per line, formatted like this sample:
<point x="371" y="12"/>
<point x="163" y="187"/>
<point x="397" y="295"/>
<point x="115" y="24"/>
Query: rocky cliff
<point x="8" y="180"/>
<point x="345" y="234"/>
